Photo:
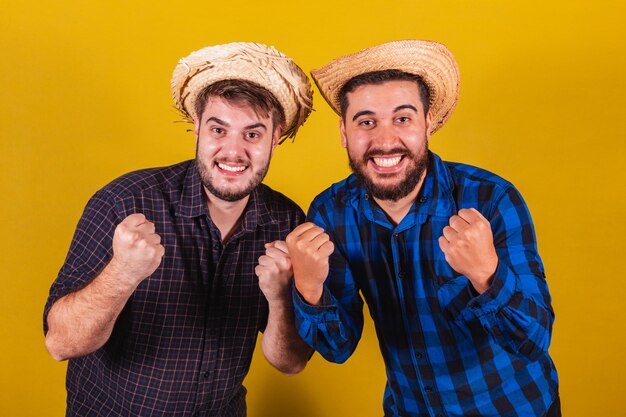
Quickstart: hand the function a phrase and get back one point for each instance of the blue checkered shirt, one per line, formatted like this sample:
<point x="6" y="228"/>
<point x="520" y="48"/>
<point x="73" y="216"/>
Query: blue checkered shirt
<point x="448" y="351"/>
<point x="183" y="344"/>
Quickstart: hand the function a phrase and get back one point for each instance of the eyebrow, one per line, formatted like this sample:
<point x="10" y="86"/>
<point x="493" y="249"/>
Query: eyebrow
<point x="397" y="109"/>
<point x="405" y="106"/>
<point x="362" y="113"/>
<point x="218" y="121"/>
<point x="255" y="125"/>
<point x="221" y="122"/>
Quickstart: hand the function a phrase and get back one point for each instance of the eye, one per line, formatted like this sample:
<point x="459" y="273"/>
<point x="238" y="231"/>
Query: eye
<point x="217" y="130"/>
<point x="403" y="119"/>
<point x="366" y="123"/>
<point x="252" y="136"/>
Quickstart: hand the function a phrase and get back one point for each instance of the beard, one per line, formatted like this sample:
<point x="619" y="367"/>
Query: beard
<point x="223" y="193"/>
<point x="418" y="163"/>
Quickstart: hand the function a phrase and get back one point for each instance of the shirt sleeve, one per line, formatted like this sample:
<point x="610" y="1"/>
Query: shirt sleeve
<point x="333" y="328"/>
<point x="90" y="250"/>
<point x="516" y="309"/>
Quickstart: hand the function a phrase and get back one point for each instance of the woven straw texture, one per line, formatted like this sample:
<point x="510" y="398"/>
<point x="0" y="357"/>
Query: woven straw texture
<point x="252" y="62"/>
<point x="430" y="60"/>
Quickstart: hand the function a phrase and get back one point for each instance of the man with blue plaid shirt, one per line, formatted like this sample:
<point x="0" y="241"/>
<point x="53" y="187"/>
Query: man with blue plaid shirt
<point x="443" y="253"/>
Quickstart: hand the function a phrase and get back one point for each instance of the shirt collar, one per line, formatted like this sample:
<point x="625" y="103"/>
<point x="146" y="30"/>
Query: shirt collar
<point x="192" y="202"/>
<point x="438" y="191"/>
<point x="258" y="211"/>
<point x="434" y="199"/>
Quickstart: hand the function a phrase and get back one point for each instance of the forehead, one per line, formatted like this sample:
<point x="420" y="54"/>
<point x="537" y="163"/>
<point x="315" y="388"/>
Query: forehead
<point x="232" y="110"/>
<point x="384" y="96"/>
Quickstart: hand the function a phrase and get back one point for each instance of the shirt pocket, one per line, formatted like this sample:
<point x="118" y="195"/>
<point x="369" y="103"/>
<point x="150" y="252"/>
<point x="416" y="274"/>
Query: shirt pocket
<point x="454" y="290"/>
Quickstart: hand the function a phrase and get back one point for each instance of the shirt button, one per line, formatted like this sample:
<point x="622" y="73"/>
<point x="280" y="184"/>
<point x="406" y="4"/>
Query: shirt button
<point x="395" y="235"/>
<point x="216" y="246"/>
<point x="401" y="274"/>
<point x="428" y="388"/>
<point x="422" y="199"/>
<point x="207" y="374"/>
<point x="418" y="355"/>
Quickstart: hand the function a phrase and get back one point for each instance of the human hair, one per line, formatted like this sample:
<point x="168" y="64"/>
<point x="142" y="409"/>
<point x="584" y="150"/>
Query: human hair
<point x="380" y="77"/>
<point x="243" y="92"/>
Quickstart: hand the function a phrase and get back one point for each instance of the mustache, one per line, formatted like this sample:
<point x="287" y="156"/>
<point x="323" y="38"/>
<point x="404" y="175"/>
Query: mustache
<point x="373" y="153"/>
<point x="231" y="160"/>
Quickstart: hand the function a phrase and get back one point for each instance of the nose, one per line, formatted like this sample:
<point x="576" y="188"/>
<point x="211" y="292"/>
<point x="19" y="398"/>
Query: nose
<point x="385" y="136"/>
<point x="233" y="147"/>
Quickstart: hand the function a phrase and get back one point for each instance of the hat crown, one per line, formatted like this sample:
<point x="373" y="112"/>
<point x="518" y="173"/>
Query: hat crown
<point x="253" y="62"/>
<point x="431" y="61"/>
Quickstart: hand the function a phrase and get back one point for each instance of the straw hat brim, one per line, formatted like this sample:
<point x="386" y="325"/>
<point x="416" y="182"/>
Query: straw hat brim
<point x="432" y="61"/>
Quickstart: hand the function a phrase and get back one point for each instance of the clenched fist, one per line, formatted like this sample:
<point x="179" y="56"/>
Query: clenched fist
<point x="309" y="250"/>
<point x="467" y="244"/>
<point x="274" y="272"/>
<point x="137" y="250"/>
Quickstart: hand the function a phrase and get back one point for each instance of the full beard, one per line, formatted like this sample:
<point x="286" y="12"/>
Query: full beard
<point x="393" y="192"/>
<point x="228" y="194"/>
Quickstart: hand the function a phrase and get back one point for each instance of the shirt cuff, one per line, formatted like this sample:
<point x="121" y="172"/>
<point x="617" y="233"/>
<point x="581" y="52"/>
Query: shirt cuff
<point x="323" y="312"/>
<point x="497" y="295"/>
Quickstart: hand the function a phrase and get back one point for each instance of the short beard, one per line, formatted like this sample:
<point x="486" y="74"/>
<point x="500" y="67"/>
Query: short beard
<point x="406" y="185"/>
<point x="227" y="195"/>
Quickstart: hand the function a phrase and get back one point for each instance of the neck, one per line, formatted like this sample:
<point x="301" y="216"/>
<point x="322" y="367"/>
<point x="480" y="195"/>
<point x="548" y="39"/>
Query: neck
<point x="226" y="215"/>
<point x="396" y="210"/>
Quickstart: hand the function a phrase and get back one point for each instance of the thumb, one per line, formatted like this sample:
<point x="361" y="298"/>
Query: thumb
<point x="281" y="245"/>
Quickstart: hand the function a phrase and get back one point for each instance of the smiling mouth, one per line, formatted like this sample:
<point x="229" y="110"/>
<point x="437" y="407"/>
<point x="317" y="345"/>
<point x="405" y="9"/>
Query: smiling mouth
<point x="387" y="161"/>
<point x="231" y="168"/>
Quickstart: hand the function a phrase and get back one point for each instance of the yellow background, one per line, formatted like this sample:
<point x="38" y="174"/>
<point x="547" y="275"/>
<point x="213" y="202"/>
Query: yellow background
<point x="85" y="98"/>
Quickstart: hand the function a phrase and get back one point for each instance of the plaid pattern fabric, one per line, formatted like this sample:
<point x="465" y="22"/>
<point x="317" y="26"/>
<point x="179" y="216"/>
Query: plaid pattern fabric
<point x="184" y="341"/>
<point x="448" y="351"/>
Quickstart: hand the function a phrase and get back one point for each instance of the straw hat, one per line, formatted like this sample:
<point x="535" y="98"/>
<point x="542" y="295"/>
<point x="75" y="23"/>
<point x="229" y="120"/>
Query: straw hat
<point x="430" y="60"/>
<point x="248" y="61"/>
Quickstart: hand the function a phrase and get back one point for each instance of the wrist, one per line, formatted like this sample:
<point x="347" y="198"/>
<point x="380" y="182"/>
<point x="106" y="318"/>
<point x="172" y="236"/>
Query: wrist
<point x="119" y="278"/>
<point x="482" y="281"/>
<point x="311" y="294"/>
<point x="280" y="306"/>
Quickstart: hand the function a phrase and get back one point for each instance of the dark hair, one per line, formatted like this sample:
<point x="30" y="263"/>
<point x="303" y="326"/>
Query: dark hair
<point x="243" y="92"/>
<point x="379" y="77"/>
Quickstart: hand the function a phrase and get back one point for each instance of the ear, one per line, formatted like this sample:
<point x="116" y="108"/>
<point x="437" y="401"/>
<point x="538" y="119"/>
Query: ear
<point x="429" y="122"/>
<point x="342" y="131"/>
<point x="196" y="125"/>
<point x="276" y="136"/>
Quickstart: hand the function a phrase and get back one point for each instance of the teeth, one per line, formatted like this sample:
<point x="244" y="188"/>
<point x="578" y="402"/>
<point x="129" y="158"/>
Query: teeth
<point x="229" y="168"/>
<point x="387" y="162"/>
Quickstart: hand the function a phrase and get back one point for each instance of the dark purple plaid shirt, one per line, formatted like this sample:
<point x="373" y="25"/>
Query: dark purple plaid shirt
<point x="184" y="341"/>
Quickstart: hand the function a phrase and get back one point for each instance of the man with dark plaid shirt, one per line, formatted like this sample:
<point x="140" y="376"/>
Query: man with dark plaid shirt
<point x="173" y="271"/>
<point x="443" y="253"/>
